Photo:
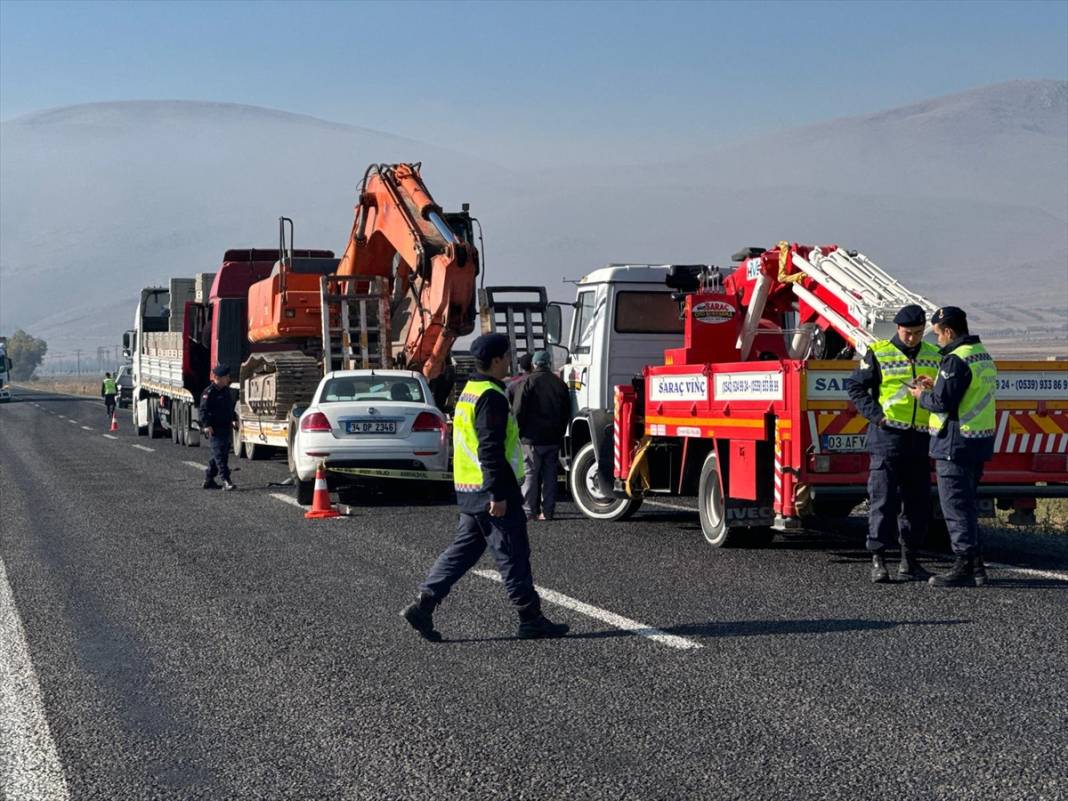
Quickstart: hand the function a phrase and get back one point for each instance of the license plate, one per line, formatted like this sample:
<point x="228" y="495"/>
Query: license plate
<point x="371" y="427"/>
<point x="844" y="442"/>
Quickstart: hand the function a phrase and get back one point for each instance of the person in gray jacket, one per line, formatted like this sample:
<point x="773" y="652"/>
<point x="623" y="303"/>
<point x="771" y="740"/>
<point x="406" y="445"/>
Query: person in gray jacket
<point x="542" y="407"/>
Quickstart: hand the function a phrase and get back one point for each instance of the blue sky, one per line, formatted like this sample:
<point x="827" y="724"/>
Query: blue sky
<point x="611" y="81"/>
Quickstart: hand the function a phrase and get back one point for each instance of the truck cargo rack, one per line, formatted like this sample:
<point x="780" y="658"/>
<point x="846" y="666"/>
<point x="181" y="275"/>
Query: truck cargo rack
<point x="521" y="319"/>
<point x="356" y="323"/>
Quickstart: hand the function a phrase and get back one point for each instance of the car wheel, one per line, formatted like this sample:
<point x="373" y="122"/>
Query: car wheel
<point x="584" y="489"/>
<point x="305" y="490"/>
<point x="712" y="507"/>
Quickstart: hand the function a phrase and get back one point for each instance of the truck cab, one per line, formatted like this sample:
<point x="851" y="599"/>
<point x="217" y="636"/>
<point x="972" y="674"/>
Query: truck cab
<point x="624" y="318"/>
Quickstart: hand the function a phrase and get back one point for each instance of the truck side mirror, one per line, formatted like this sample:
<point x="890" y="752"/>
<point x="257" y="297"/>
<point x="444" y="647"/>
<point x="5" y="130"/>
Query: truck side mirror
<point x="554" y="324"/>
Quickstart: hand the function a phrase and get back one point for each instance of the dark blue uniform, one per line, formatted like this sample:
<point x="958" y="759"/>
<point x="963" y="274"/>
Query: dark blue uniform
<point x="217" y="412"/>
<point x="958" y="459"/>
<point x="899" y="482"/>
<point x="506" y="536"/>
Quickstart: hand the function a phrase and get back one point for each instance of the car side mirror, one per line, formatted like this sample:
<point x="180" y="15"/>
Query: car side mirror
<point x="554" y="324"/>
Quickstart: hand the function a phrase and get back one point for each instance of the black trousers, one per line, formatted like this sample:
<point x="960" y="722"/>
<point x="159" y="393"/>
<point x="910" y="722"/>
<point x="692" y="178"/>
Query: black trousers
<point x="507" y="540"/>
<point x="109" y="404"/>
<point x="958" y="484"/>
<point x="899" y="498"/>
<point x="220" y="457"/>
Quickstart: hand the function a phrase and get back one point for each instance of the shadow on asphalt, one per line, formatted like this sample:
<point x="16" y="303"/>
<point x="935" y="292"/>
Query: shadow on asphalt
<point x="745" y="628"/>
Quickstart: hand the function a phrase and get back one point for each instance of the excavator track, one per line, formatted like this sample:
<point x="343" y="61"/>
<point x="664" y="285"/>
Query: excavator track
<point x="272" y="382"/>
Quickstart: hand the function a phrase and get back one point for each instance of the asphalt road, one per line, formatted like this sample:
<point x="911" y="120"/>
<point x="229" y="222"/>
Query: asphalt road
<point x="182" y="644"/>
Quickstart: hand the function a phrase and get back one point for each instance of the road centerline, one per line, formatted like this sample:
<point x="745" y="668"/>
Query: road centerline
<point x="279" y="496"/>
<point x="197" y="465"/>
<point x="144" y="448"/>
<point x="109" y="436"/>
<point x="603" y="615"/>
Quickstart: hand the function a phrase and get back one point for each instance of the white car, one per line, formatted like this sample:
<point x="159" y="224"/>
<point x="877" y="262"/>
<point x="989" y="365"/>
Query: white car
<point x="369" y="419"/>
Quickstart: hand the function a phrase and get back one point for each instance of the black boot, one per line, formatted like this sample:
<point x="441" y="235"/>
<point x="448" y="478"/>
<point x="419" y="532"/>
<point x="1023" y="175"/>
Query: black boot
<point x="420" y="616"/>
<point x="910" y="568"/>
<point x="979" y="569"/>
<point x="534" y="625"/>
<point x="879" y="573"/>
<point x="209" y="483"/>
<point x="962" y="574"/>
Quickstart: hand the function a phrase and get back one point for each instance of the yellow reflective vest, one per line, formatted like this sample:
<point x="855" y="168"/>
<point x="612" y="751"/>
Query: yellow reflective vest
<point x="466" y="468"/>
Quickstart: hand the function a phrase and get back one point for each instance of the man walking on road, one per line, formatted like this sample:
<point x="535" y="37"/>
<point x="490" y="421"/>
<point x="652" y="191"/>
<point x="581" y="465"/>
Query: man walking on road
<point x="217" y="421"/>
<point x="109" y="388"/>
<point x="542" y="409"/>
<point x="961" y="402"/>
<point x="487" y="469"/>
<point x="899" y="478"/>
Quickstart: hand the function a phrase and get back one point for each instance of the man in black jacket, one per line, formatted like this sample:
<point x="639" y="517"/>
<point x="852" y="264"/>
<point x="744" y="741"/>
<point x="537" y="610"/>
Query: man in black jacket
<point x="217" y="420"/>
<point x="487" y="466"/>
<point x="542" y="408"/>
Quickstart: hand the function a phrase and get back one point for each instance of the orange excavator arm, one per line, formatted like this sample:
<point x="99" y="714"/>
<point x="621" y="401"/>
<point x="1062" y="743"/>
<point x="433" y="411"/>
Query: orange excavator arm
<point x="399" y="232"/>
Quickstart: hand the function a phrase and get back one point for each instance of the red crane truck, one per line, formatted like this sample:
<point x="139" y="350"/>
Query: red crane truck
<point x="749" y="414"/>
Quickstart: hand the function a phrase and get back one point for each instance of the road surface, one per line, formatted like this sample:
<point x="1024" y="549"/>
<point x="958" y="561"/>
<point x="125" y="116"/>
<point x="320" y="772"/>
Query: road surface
<point x="162" y="642"/>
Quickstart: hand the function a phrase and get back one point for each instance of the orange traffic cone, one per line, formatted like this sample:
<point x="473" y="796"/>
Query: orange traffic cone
<point x="114" y="422"/>
<point x="321" y="507"/>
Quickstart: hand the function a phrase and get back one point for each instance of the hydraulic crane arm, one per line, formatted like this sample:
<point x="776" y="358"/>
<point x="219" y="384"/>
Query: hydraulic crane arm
<point x="400" y="233"/>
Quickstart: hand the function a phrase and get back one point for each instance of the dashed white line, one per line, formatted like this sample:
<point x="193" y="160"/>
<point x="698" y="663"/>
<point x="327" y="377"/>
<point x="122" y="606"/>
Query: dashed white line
<point x="611" y="618"/>
<point x="72" y="421"/>
<point x="197" y="465"/>
<point x="144" y="448"/>
<point x="109" y="436"/>
<point x="30" y="768"/>
<point x="279" y="496"/>
<point x="1027" y="571"/>
<point x="86" y="428"/>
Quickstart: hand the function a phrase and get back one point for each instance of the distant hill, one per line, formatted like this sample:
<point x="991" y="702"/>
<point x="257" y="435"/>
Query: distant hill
<point x="965" y="198"/>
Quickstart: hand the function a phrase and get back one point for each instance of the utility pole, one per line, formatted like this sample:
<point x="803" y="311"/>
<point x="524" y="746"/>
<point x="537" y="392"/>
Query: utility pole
<point x="78" y="355"/>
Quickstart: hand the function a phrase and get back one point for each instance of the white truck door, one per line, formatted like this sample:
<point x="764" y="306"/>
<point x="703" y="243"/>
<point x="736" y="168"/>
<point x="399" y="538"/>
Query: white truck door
<point x="577" y="373"/>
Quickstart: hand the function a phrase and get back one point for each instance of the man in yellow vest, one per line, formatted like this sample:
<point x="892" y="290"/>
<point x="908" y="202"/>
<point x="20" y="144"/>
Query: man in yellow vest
<point x="961" y="402"/>
<point x="109" y="388"/>
<point x="487" y="474"/>
<point x="899" y="476"/>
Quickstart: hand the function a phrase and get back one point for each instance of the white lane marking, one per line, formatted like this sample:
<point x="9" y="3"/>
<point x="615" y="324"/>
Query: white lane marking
<point x="109" y="436"/>
<point x="73" y="422"/>
<point x="1027" y="571"/>
<point x="667" y="505"/>
<point x="144" y="448"/>
<point x="279" y="496"/>
<point x="611" y="618"/>
<point x="30" y="768"/>
<point x="86" y="428"/>
<point x="197" y="465"/>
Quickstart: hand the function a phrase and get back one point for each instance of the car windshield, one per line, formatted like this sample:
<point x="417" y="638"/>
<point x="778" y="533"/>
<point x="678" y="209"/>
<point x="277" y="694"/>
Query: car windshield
<point x="395" y="389"/>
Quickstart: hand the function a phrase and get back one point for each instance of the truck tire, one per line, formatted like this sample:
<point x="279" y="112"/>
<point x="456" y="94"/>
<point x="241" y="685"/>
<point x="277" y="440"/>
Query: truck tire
<point x="712" y="507"/>
<point x="154" y="429"/>
<point x="175" y="421"/>
<point x="257" y="452"/>
<point x="581" y="483"/>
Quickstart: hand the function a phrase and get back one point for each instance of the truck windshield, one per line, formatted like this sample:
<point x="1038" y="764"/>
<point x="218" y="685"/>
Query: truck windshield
<point x="647" y="313"/>
<point x="385" y="389"/>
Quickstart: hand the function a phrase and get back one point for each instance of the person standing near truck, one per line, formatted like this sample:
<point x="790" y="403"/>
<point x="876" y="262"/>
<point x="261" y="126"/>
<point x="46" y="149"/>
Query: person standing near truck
<point x="109" y="388"/>
<point x="217" y="421"/>
<point x="487" y="470"/>
<point x="899" y="476"/>
<point x="962" y="405"/>
<point x="542" y="409"/>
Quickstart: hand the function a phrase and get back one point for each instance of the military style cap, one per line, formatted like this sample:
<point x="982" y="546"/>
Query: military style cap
<point x="911" y="315"/>
<point x="949" y="316"/>
<point x="543" y="358"/>
<point x="220" y="370"/>
<point x="490" y="346"/>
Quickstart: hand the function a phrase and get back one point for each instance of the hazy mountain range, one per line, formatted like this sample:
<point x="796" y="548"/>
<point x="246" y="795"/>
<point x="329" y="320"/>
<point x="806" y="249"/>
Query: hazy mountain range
<point x="965" y="198"/>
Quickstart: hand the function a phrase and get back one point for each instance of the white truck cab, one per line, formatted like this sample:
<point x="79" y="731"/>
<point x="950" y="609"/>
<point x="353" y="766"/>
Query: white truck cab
<point x="624" y="318"/>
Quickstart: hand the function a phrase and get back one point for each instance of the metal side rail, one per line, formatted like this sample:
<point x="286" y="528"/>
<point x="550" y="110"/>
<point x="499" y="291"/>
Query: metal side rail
<point x="356" y="324"/>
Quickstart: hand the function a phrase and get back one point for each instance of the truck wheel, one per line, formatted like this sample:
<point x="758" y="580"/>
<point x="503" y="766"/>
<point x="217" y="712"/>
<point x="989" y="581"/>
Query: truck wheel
<point x="154" y="429"/>
<point x="712" y="507"/>
<point x="237" y="445"/>
<point x="176" y="412"/>
<point x="256" y="451"/>
<point x="582" y="484"/>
